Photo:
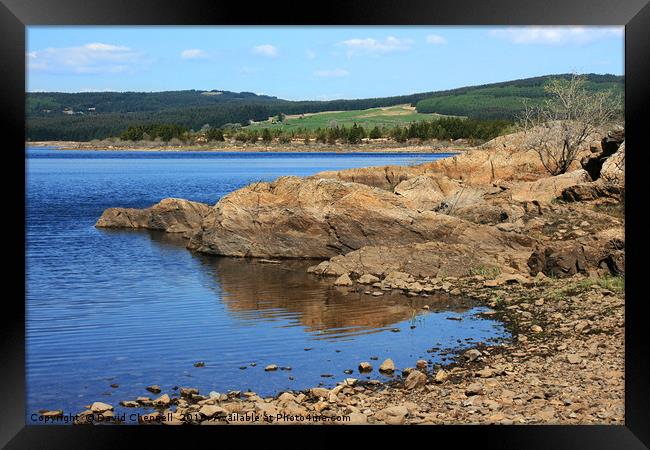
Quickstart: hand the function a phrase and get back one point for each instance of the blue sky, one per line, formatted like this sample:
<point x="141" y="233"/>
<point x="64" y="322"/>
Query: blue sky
<point x="319" y="63"/>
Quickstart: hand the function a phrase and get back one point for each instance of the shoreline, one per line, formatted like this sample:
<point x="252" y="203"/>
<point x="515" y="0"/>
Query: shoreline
<point x="529" y="379"/>
<point x="433" y="148"/>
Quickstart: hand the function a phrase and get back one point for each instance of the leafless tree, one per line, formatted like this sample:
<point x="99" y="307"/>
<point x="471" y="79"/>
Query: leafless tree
<point x="558" y="127"/>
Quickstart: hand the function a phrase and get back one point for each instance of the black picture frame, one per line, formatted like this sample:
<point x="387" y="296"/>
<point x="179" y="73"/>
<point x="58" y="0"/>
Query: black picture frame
<point x="15" y="15"/>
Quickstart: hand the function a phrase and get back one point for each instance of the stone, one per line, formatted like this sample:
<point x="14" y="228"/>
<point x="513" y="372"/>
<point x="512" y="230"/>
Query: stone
<point x="286" y="397"/>
<point x="613" y="169"/>
<point x="472" y="355"/>
<point x="367" y="279"/>
<point x="130" y="404"/>
<point x="343" y="280"/>
<point x="415" y="380"/>
<point x="271" y="368"/>
<point x="560" y="260"/>
<point x="143" y="400"/>
<point x="474" y="389"/>
<point x="171" y="215"/>
<point x="441" y="376"/>
<point x="536" y="329"/>
<point x="393" y="415"/>
<point x="595" y="190"/>
<point x="485" y="373"/>
<point x="163" y="400"/>
<point x="365" y="367"/>
<point x="155" y="389"/>
<point x="398" y="280"/>
<point x="415" y="288"/>
<point x="320" y="392"/>
<point x="188" y="392"/>
<point x="421" y="364"/>
<point x="388" y="366"/>
<point x="100" y="407"/>
<point x="212" y="411"/>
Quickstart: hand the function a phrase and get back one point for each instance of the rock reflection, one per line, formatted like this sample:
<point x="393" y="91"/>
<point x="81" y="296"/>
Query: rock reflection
<point x="255" y="291"/>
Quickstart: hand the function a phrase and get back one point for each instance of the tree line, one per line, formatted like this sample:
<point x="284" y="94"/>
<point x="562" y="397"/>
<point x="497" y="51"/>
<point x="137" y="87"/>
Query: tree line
<point x="447" y="128"/>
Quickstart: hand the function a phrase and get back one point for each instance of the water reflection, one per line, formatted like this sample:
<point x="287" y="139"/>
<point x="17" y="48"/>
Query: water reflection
<point x="283" y="292"/>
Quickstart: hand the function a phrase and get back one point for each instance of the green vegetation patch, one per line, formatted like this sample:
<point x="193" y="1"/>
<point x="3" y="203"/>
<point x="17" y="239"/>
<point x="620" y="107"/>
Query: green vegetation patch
<point x="504" y="100"/>
<point x="389" y="117"/>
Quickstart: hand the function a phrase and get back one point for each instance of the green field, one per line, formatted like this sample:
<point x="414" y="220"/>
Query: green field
<point x="386" y="117"/>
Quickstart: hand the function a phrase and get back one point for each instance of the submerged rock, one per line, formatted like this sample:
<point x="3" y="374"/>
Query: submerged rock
<point x="172" y="215"/>
<point x="388" y="366"/>
<point x="365" y="367"/>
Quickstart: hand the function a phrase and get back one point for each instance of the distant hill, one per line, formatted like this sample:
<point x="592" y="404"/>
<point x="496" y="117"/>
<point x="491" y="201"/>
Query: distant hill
<point x="97" y="115"/>
<point x="504" y="100"/>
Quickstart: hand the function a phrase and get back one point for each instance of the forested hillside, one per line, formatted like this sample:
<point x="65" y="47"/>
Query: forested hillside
<point x="98" y="115"/>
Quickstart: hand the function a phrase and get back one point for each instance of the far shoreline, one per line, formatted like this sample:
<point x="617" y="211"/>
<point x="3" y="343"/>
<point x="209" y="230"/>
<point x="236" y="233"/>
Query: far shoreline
<point x="432" y="148"/>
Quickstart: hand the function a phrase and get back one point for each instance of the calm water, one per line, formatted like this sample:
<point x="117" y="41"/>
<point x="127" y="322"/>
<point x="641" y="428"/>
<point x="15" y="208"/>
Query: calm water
<point x="135" y="308"/>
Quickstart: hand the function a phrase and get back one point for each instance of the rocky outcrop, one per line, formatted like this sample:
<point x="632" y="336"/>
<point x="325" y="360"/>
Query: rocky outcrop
<point x="595" y="190"/>
<point x="430" y="259"/>
<point x="172" y="215"/>
<point x="603" y="252"/>
<point x="428" y="192"/>
<point x="488" y="207"/>
<point x="613" y="170"/>
<point x="475" y="167"/>
<point x="384" y="177"/>
<point x="609" y="176"/>
<point x="546" y="189"/>
<point x="321" y="218"/>
<point x="609" y="145"/>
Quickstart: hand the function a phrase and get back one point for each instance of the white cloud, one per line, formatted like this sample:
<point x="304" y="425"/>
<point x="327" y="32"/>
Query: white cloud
<point x="193" y="53"/>
<point x="310" y="54"/>
<point x="86" y="59"/>
<point x="552" y="35"/>
<point x="334" y="73"/>
<point x="435" y="39"/>
<point x="369" y="45"/>
<point x="267" y="50"/>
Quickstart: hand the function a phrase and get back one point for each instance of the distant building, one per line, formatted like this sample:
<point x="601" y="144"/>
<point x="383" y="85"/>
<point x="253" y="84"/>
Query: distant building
<point x="68" y="111"/>
<point x="92" y="109"/>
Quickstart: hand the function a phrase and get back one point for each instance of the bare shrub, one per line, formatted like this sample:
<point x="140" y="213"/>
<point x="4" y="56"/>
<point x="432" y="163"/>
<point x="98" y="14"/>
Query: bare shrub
<point x="558" y="127"/>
